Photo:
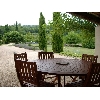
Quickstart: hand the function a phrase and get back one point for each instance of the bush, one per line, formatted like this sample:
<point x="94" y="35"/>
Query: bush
<point x="29" y="37"/>
<point x="13" y="37"/>
<point x="88" y="43"/>
<point x="72" y="38"/>
<point x="71" y="54"/>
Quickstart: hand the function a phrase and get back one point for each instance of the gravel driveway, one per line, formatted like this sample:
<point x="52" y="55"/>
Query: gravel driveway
<point x="8" y="77"/>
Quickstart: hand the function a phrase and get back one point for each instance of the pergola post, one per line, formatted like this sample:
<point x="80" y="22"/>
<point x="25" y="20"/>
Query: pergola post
<point x="97" y="42"/>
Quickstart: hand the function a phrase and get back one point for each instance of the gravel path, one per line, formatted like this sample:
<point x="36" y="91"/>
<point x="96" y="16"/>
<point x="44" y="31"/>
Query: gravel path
<point x="8" y="77"/>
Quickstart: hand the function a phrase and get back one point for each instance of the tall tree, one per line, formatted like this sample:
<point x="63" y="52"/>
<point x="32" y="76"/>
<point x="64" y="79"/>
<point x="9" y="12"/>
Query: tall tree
<point x="57" y="32"/>
<point x="42" y="34"/>
<point x="16" y="29"/>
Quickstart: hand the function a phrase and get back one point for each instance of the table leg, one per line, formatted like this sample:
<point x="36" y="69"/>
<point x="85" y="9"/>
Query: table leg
<point x="59" y="81"/>
<point x="64" y="81"/>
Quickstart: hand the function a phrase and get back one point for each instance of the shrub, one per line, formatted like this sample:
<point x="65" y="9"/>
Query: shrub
<point x="29" y="37"/>
<point x="88" y="43"/>
<point x="70" y="54"/>
<point x="72" y="38"/>
<point x="13" y="37"/>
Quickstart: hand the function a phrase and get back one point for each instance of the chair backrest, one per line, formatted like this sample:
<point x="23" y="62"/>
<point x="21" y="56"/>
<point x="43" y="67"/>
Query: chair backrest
<point x="84" y="56"/>
<point x="93" y="76"/>
<point x="91" y="58"/>
<point x="26" y="72"/>
<point x="22" y="56"/>
<point x="45" y="55"/>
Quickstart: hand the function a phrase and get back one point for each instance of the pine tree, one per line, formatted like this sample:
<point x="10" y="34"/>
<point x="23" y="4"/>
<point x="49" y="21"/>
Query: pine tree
<point x="42" y="34"/>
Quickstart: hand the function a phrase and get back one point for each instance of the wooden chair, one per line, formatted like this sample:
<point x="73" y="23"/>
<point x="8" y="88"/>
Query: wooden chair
<point x="47" y="55"/>
<point x="86" y="57"/>
<point x="22" y="56"/>
<point x="92" y="79"/>
<point x="29" y="76"/>
<point x="91" y="58"/>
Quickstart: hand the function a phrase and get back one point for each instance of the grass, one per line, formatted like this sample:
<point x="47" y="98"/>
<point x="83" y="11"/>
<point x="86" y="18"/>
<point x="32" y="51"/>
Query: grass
<point x="76" y="51"/>
<point x="79" y="50"/>
<point x="49" y="47"/>
<point x="67" y="51"/>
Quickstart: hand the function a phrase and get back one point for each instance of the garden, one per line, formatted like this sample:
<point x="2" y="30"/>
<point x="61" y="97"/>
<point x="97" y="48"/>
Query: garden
<point x="68" y="36"/>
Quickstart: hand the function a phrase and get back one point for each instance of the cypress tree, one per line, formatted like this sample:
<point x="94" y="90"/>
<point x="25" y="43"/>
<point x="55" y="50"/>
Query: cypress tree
<point x="16" y="29"/>
<point x="42" y="34"/>
<point x="57" y="37"/>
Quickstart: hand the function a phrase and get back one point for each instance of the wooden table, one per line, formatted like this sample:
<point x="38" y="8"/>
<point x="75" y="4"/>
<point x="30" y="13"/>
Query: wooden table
<point x="63" y="67"/>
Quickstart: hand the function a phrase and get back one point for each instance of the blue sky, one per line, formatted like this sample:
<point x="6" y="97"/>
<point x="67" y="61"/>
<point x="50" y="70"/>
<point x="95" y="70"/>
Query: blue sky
<point x="27" y="12"/>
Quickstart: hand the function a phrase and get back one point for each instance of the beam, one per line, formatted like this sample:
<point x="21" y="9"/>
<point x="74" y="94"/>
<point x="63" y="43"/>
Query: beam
<point x="87" y="16"/>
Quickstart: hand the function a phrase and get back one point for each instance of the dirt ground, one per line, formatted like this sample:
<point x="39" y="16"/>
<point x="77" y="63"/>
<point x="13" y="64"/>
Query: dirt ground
<point x="8" y="77"/>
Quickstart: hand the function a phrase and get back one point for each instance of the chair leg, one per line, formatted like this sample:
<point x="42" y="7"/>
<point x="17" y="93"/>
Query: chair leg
<point x="59" y="80"/>
<point x="82" y="77"/>
<point x="74" y="79"/>
<point x="64" y="81"/>
<point x="55" y="80"/>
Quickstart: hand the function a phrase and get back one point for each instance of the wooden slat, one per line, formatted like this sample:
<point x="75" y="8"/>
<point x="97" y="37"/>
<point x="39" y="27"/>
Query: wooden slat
<point x="45" y="55"/>
<point x="22" y="56"/>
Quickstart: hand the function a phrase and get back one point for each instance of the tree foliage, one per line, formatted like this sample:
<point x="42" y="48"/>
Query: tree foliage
<point x="42" y="35"/>
<point x="13" y="37"/>
<point x="73" y="23"/>
<point x="73" y="38"/>
<point x="7" y="28"/>
<point x="89" y="43"/>
<point x="29" y="37"/>
<point x="84" y="27"/>
<point x="57" y="29"/>
<point x="22" y="29"/>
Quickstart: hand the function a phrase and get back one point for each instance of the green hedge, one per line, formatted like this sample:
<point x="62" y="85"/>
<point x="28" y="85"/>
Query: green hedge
<point x="88" y="43"/>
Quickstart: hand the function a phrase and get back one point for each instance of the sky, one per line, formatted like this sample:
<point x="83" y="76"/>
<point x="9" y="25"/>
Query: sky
<point x="27" y="12"/>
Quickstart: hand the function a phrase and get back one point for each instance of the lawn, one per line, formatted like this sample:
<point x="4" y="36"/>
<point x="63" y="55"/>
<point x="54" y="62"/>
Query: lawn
<point x="49" y="47"/>
<point x="75" y="50"/>
<point x="67" y="51"/>
<point x="79" y="50"/>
